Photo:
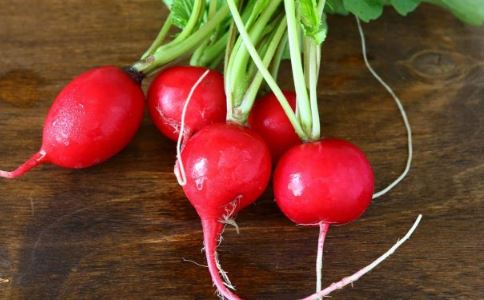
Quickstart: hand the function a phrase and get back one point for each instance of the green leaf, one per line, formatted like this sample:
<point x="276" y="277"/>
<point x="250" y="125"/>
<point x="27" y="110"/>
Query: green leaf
<point x="468" y="11"/>
<point x="404" y="7"/>
<point x="181" y="11"/>
<point x="335" y="7"/>
<point x="168" y="3"/>
<point x="366" y="10"/>
<point x="314" y="25"/>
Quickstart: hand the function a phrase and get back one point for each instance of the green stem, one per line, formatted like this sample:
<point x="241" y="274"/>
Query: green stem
<point x="307" y="59"/>
<point x="213" y="52"/>
<point x="262" y="47"/>
<point x="196" y="59"/>
<point x="173" y="50"/>
<point x="303" y="103"/>
<point x="198" y="8"/>
<point x="248" y="101"/>
<point x="227" y="66"/>
<point x="313" y="86"/>
<point x="159" y="38"/>
<point x="313" y="68"/>
<point x="276" y="62"/>
<point x="265" y="73"/>
<point x="241" y="58"/>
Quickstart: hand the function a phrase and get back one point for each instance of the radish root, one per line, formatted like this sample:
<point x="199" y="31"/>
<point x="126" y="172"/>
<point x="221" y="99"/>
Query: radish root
<point x="212" y="231"/>
<point x="32" y="162"/>
<point x="323" y="231"/>
<point x="398" y="102"/>
<point x="350" y="279"/>
<point x="229" y="218"/>
<point x="179" y="168"/>
<point x="194" y="262"/>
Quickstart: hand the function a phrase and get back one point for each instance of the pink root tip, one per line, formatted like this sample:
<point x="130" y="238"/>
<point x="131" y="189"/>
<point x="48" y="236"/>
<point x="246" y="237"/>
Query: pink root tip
<point x="212" y="230"/>
<point x="6" y="174"/>
<point x="32" y="162"/>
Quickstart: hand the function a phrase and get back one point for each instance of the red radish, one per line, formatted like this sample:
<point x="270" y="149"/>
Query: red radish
<point x="227" y="168"/>
<point x="169" y="91"/>
<point x="269" y="120"/>
<point x="93" y="118"/>
<point x="321" y="183"/>
<point x="328" y="181"/>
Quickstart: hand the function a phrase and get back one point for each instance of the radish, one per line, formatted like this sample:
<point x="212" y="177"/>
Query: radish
<point x="93" y="118"/>
<point x="329" y="181"/>
<point x="269" y="120"/>
<point x="168" y="93"/>
<point x="321" y="183"/>
<point x="227" y="168"/>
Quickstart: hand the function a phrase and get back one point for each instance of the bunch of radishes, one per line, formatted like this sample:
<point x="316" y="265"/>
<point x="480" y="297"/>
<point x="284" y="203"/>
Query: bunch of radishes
<point x="229" y="138"/>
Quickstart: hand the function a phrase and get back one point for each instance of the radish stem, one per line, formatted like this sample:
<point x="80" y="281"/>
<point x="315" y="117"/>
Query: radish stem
<point x="160" y="38"/>
<point x="303" y="104"/>
<point x="263" y="70"/>
<point x="198" y="9"/>
<point x="251" y="93"/>
<point x="175" y="49"/>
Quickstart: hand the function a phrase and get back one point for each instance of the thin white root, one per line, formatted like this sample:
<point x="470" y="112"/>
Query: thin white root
<point x="398" y="102"/>
<point x="224" y="275"/>
<point x="179" y="168"/>
<point x="2" y="280"/>
<point x="228" y="217"/>
<point x="194" y="262"/>
<point x="232" y="223"/>
<point x="323" y="231"/>
<point x="350" y="279"/>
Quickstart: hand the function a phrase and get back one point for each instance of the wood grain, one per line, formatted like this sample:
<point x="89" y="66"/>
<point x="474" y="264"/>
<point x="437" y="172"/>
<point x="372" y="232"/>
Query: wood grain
<point x="122" y="229"/>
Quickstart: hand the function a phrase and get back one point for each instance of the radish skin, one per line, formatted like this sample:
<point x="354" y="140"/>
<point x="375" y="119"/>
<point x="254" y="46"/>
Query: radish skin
<point x="269" y="120"/>
<point x="169" y="92"/>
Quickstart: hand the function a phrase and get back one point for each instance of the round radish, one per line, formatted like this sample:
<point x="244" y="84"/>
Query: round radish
<point x="269" y="120"/>
<point x="93" y="118"/>
<point x="227" y="168"/>
<point x="169" y="91"/>
<point x="328" y="181"/>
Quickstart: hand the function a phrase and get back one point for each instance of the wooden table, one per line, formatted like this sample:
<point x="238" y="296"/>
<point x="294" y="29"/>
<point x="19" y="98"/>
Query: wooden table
<point x="122" y="230"/>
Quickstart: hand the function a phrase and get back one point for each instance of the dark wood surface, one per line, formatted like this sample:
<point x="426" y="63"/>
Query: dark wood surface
<point x="122" y="230"/>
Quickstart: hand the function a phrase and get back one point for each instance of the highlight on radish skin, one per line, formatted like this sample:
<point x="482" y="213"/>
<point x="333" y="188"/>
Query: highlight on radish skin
<point x="227" y="167"/>
<point x="92" y="119"/>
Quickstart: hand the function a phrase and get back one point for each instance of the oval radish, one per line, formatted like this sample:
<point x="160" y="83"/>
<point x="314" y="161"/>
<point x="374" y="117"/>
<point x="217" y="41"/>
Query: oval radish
<point x="227" y="168"/>
<point x="168" y="93"/>
<point x="93" y="118"/>
<point x="268" y="119"/>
